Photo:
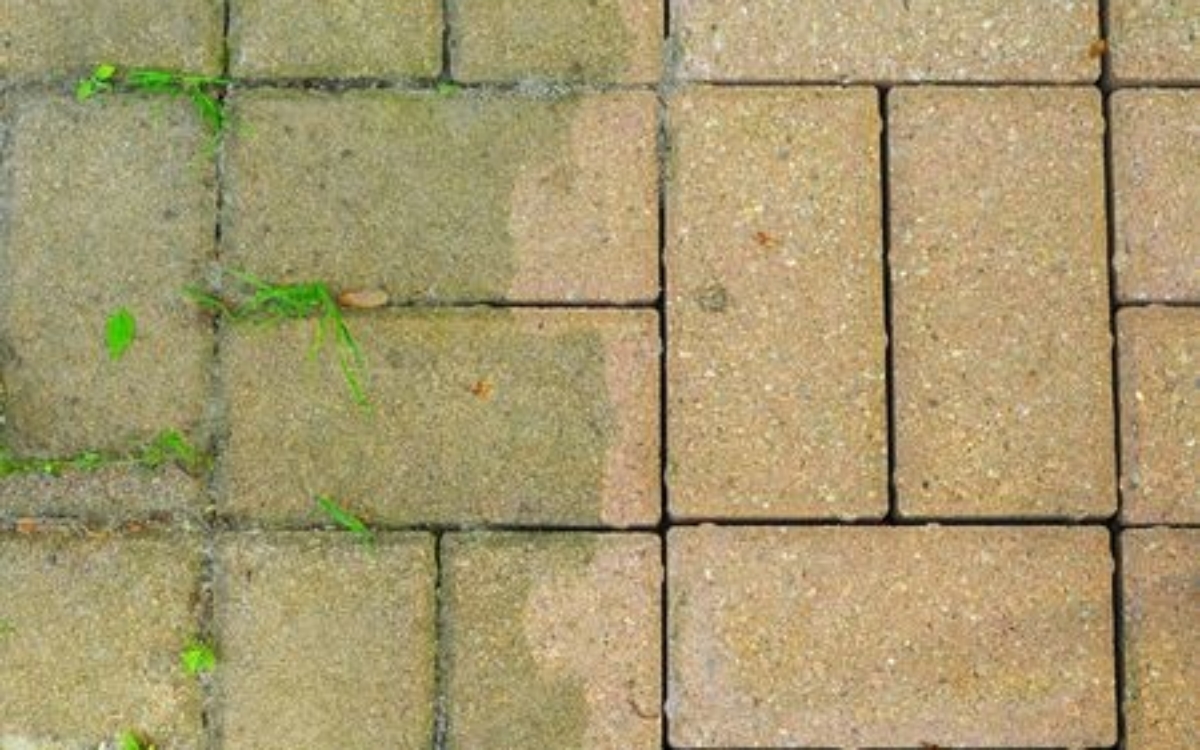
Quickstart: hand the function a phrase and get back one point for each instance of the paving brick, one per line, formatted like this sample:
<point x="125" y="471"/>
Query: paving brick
<point x="1000" y="303"/>
<point x="1151" y="41"/>
<point x="70" y="37"/>
<point x="963" y="637"/>
<point x="552" y="640"/>
<point x="1161" y="605"/>
<point x="91" y="647"/>
<point x="565" y="40"/>
<point x="107" y="495"/>
<point x="491" y="417"/>
<point x="1160" y="414"/>
<point x="775" y="308"/>
<point x="1156" y="184"/>
<point x="346" y="39"/>
<point x="324" y="642"/>
<point x="108" y="204"/>
<point x="462" y="198"/>
<point x="905" y="40"/>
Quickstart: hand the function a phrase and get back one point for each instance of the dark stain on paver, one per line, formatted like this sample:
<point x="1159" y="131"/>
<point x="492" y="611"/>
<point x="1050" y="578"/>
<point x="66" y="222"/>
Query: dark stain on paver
<point x="713" y="298"/>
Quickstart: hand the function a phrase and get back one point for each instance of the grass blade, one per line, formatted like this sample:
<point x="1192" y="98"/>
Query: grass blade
<point x="119" y="332"/>
<point x="346" y="519"/>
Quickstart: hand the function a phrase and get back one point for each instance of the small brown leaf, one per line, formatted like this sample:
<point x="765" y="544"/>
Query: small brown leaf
<point x="482" y="389"/>
<point x="27" y="525"/>
<point x="765" y="240"/>
<point x="363" y="299"/>
<point x="1097" y="48"/>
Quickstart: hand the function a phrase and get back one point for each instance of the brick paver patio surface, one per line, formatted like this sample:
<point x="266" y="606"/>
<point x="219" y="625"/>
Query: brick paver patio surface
<point x="695" y="374"/>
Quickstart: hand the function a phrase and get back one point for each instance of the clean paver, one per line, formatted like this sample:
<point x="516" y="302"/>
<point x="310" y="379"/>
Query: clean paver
<point x="109" y="204"/>
<point x="856" y="637"/>
<point x="522" y="416"/>
<point x="469" y="197"/>
<point x="1000" y="308"/>
<point x="1160" y="414"/>
<point x="1161" y="607"/>
<point x="69" y="37"/>
<point x="900" y="40"/>
<point x="103" y="496"/>
<point x="90" y="635"/>
<point x="561" y="40"/>
<point x="1154" y="41"/>
<point x="324" y="642"/>
<point x="1156" y="187"/>
<point x="344" y="39"/>
<point x="775" y="305"/>
<point x="552" y="640"/>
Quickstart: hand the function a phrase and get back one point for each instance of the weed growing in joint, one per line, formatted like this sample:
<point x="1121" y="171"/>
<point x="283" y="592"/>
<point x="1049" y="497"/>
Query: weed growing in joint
<point x="133" y="741"/>
<point x="203" y="91"/>
<point x="198" y="658"/>
<point x="346" y="520"/>
<point x="167" y="447"/>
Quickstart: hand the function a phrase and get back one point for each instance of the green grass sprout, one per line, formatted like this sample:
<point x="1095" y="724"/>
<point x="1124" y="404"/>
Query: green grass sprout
<point x="100" y="81"/>
<point x="167" y="447"/>
<point x="133" y="741"/>
<point x="119" y="332"/>
<point x="198" y="658"/>
<point x="448" y="88"/>
<point x="203" y="91"/>
<point x="346" y="519"/>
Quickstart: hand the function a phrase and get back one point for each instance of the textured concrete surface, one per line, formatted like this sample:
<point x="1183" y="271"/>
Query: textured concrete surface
<point x="1160" y="414"/>
<point x="552" y="640"/>
<point x="325" y="642"/>
<point x="1156" y="192"/>
<point x="828" y="637"/>
<point x="1000" y="315"/>
<point x="92" y="639"/>
<point x="520" y="417"/>
<point x="118" y="493"/>
<point x="775" y="305"/>
<point x="461" y="198"/>
<point x="1155" y="41"/>
<point x="559" y="40"/>
<point x="896" y="40"/>
<point x="344" y="39"/>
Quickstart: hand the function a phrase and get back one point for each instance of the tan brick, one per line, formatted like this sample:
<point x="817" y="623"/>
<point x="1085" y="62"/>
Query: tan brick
<point x="775" y="309"/>
<point x="552" y="640"/>
<point x="500" y="417"/>
<point x="856" y="637"/>
<point x="1154" y="41"/>
<point x="111" y="494"/>
<point x="902" y="40"/>
<point x="1160" y="415"/>
<point x="1160" y="611"/>
<point x="1000" y="303"/>
<point x="1156" y="186"/>
<point x="462" y="198"/>
<point x="344" y="39"/>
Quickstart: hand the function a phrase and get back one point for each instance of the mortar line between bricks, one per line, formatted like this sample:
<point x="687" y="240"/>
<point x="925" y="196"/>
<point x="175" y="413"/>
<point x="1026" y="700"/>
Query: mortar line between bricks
<point x="437" y="740"/>
<point x="447" y="72"/>
<point x="664" y="524"/>
<point x="889" y="368"/>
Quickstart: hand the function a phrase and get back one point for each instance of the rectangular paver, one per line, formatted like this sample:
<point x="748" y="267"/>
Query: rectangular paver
<point x="451" y="198"/>
<point x="1156" y="194"/>
<point x="110" y="204"/>
<point x="1154" y="41"/>
<point x="559" y="40"/>
<point x="505" y="417"/>
<point x="1160" y="414"/>
<point x="90" y="636"/>
<point x="1161" y="606"/>
<point x="900" y="40"/>
<point x="775" y="305"/>
<point x="106" y="495"/>
<point x="1000" y="303"/>
<point x="552" y="640"/>
<point x="344" y="39"/>
<point x="325" y="642"/>
<point x="890" y="637"/>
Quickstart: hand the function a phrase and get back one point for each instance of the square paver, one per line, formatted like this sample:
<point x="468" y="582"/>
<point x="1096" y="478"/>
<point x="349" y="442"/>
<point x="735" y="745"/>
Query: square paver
<point x="564" y="40"/>
<point x="1000" y="310"/>
<point x="1161" y="606"/>
<point x="552" y="640"/>
<point x="525" y="416"/>
<point x="1156" y="187"/>
<point x="890" y="637"/>
<point x="107" y="495"/>
<point x="1160" y="415"/>
<point x="90" y="636"/>
<point x="899" y="40"/>
<point x="343" y="39"/>
<point x="469" y="197"/>
<point x="324" y="642"/>
<point x="57" y="38"/>
<point x="775" y="305"/>
<point x="1154" y="41"/>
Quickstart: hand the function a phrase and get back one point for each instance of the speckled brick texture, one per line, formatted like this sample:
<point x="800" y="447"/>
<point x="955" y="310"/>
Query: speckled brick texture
<point x="1154" y="41"/>
<point x="960" y="637"/>
<point x="1000" y="317"/>
<point x="1156" y="194"/>
<point x="552" y="640"/>
<point x="111" y="494"/>
<point x="898" y="40"/>
<point x="1160" y="414"/>
<point x="775" y="305"/>
<point x="1161" y="605"/>
<point x="325" y="642"/>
